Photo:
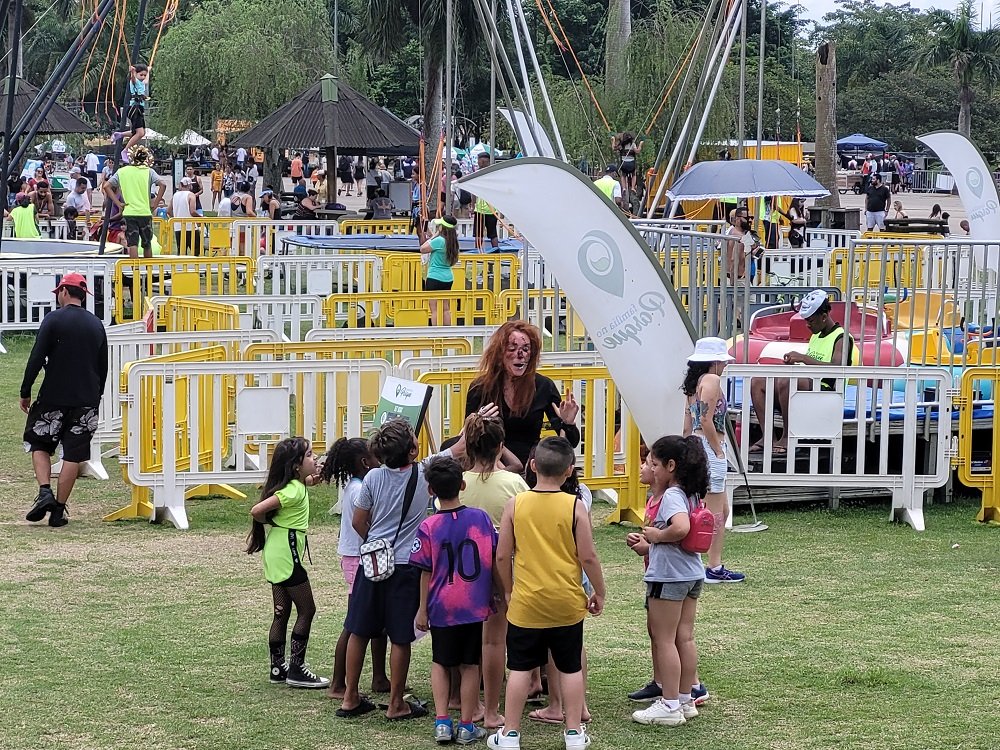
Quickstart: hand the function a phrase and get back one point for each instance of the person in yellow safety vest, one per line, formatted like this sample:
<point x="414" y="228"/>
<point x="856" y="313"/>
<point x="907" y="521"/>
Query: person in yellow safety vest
<point x="609" y="185"/>
<point x="136" y="179"/>
<point x="484" y="223"/>
<point x="23" y="216"/>
<point x="826" y="346"/>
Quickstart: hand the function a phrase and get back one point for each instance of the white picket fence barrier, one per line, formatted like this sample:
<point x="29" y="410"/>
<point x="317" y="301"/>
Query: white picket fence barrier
<point x="846" y="437"/>
<point x="478" y="336"/>
<point x="237" y="415"/>
<point x="26" y="286"/>
<point x="796" y="267"/>
<point x="819" y="238"/>
<point x="257" y="237"/>
<point x="321" y="275"/>
<point x="290" y="316"/>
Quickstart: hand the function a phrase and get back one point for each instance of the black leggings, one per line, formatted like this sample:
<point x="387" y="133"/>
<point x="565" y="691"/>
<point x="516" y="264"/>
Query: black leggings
<point x="305" y="608"/>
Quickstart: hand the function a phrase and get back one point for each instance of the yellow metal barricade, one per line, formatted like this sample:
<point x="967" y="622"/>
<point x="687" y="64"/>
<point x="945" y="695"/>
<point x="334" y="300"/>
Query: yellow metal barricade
<point x="386" y="226"/>
<point x="188" y="314"/>
<point x="979" y="465"/>
<point x="199" y="277"/>
<point x="552" y="313"/>
<point x="496" y="272"/>
<point x="197" y="236"/>
<point x="598" y="432"/>
<point x="467" y="307"/>
<point x="212" y="437"/>
<point x="876" y="267"/>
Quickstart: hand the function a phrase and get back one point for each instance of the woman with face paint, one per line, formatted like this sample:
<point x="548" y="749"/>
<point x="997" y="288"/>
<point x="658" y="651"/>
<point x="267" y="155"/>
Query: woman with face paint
<point x="509" y="379"/>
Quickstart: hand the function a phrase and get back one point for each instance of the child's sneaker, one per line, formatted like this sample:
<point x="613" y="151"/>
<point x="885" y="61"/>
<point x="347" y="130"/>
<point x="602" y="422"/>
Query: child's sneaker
<point x="576" y="739"/>
<point x="444" y="732"/>
<point x="116" y="137"/>
<point x="467" y="736"/>
<point x="124" y="156"/>
<point x="723" y="575"/>
<point x="660" y="714"/>
<point x="500" y="741"/>
<point x="647" y="693"/>
<point x="279" y="673"/>
<point x="689" y="710"/>
<point x="300" y="676"/>
<point x="700" y="694"/>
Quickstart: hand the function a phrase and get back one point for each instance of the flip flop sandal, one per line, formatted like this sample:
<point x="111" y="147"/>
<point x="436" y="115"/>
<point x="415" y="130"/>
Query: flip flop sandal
<point x="417" y="711"/>
<point x="537" y="716"/>
<point x="536" y="699"/>
<point x="364" y="707"/>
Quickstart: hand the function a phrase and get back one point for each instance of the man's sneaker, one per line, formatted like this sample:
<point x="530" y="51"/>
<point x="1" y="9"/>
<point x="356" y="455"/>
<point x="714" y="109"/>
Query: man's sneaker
<point x="299" y="676"/>
<point x="444" y="732"/>
<point x="647" y="693"/>
<point x="59" y="516"/>
<point x="700" y="694"/>
<point x="660" y="714"/>
<point x="279" y="673"/>
<point x="576" y="739"/>
<point x="500" y="741"/>
<point x="45" y="502"/>
<point x="467" y="736"/>
<point x="689" y="710"/>
<point x="723" y="575"/>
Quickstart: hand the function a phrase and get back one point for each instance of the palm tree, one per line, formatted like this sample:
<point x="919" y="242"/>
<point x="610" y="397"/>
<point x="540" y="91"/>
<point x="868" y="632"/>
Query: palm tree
<point x="972" y="53"/>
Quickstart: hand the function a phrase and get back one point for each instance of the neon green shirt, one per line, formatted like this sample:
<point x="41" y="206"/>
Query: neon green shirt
<point x="25" y="226"/>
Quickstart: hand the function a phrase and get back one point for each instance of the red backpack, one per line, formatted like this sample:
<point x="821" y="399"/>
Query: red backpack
<point x="699" y="538"/>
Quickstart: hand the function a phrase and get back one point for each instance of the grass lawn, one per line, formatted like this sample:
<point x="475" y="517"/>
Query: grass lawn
<point x="850" y="632"/>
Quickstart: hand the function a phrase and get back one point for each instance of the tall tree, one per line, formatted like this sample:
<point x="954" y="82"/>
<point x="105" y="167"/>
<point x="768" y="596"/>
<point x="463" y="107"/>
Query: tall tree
<point x="617" y="35"/>
<point x="972" y="53"/>
<point x="826" y="123"/>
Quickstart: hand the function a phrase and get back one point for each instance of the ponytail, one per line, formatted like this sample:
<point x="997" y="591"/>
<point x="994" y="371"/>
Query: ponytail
<point x="694" y="372"/>
<point x="690" y="462"/>
<point x="483" y="441"/>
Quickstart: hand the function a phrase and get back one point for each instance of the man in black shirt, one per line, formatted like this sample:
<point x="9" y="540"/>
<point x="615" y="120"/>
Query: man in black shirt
<point x="877" y="203"/>
<point x="72" y="346"/>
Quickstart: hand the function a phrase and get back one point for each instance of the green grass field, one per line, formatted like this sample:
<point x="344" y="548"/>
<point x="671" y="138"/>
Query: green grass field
<point x="850" y="632"/>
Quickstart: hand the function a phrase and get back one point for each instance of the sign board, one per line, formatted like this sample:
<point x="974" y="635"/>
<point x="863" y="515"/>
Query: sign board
<point x="404" y="399"/>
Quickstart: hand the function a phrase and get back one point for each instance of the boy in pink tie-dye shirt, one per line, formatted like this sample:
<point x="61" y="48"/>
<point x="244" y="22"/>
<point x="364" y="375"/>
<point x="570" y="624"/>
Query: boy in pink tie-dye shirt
<point x="454" y="549"/>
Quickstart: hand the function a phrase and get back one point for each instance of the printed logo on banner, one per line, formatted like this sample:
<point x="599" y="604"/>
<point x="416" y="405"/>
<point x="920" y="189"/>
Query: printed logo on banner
<point x="974" y="179"/>
<point x="601" y="264"/>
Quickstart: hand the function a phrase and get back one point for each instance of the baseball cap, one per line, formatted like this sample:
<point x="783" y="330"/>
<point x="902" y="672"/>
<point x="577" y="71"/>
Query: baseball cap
<point x="812" y="302"/>
<point x="710" y="349"/>
<point x="73" y="279"/>
<point x="186" y="181"/>
<point x="611" y="168"/>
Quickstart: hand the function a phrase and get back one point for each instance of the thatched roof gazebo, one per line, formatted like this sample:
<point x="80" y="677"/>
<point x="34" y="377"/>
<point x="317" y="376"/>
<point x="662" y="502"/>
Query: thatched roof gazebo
<point x="59" y="120"/>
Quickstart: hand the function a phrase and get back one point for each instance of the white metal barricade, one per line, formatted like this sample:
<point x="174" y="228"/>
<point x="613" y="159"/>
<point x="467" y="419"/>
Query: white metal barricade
<point x="795" y="267"/>
<point x="819" y="238"/>
<point x="258" y="237"/>
<point x="131" y="343"/>
<point x="478" y="336"/>
<point x="290" y="316"/>
<point x="467" y="228"/>
<point x="322" y="275"/>
<point x="26" y="286"/>
<point x="237" y="416"/>
<point x="850" y="434"/>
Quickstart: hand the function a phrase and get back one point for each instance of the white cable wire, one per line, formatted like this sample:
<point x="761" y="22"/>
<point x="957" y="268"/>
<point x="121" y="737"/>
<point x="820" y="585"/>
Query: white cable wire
<point x="45" y="13"/>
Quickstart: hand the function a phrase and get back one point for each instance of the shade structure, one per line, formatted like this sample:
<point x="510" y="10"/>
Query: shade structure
<point x="58" y="120"/>
<point x="861" y="142"/>
<point x="190" y="138"/>
<point x="362" y="127"/>
<point x="744" y="178"/>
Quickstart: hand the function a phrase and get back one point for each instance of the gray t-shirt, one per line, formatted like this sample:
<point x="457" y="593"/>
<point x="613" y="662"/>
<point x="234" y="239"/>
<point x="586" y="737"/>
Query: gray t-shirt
<point x="668" y="563"/>
<point x="382" y="492"/>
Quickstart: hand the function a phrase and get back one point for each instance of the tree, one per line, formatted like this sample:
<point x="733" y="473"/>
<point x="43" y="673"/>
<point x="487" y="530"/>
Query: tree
<point x="971" y="52"/>
<point x="826" y="122"/>
<point x="270" y="52"/>
<point x="617" y="34"/>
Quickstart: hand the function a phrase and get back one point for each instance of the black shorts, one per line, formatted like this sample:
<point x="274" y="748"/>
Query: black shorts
<point x="136" y="117"/>
<point x="485" y="225"/>
<point x="297" y="578"/>
<point x="528" y="648"/>
<point x="627" y="167"/>
<point x="457" y="645"/>
<point x="73" y="426"/>
<point x="139" y="228"/>
<point x="433" y="285"/>
<point x="389" y="606"/>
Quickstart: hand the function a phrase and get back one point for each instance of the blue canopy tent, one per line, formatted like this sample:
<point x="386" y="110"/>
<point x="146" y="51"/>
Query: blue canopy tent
<point x="861" y="142"/>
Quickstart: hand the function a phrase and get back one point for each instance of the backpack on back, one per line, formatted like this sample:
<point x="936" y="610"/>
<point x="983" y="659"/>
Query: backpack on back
<point x="699" y="537"/>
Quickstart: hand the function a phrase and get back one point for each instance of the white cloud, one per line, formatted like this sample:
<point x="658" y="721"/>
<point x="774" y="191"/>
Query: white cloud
<point x="816" y="9"/>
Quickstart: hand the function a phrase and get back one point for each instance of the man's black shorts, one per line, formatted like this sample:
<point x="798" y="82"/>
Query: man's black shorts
<point x="73" y="426"/>
<point x="388" y="606"/>
<point x="139" y="228"/>
<point x="137" y="117"/>
<point x="528" y="648"/>
<point x="457" y="645"/>
<point x="485" y="225"/>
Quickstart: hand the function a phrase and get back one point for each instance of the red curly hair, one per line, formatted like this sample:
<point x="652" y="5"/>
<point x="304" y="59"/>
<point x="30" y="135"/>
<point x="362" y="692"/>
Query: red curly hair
<point x="493" y="375"/>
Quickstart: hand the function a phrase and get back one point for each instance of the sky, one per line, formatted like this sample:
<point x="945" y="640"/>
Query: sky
<point x="815" y="9"/>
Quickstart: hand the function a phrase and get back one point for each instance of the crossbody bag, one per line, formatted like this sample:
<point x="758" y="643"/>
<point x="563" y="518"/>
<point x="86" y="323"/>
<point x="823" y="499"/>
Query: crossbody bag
<point x="378" y="556"/>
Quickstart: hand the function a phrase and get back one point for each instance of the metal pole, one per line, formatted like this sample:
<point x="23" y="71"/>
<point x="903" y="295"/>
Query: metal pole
<point x="541" y="82"/>
<point x="493" y="90"/>
<point x="336" y="44"/>
<point x="449" y="94"/>
<point x="742" y="127"/>
<point x="136" y="41"/>
<point x="520" y="62"/>
<point x="9" y="113"/>
<point x="760" y="81"/>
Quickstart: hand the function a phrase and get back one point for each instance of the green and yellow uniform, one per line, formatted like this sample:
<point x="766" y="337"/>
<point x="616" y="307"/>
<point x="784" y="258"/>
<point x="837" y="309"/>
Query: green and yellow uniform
<point x="286" y="537"/>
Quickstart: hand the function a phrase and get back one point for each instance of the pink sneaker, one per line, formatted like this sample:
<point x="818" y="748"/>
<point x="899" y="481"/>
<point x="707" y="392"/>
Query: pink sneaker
<point x="124" y="156"/>
<point x="116" y="137"/>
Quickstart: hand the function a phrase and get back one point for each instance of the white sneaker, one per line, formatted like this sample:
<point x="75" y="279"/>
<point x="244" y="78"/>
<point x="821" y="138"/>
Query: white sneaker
<point x="576" y="739"/>
<point x="689" y="710"/>
<point x="500" y="741"/>
<point x="660" y="714"/>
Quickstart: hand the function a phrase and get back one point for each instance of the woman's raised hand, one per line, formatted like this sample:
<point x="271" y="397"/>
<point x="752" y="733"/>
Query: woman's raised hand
<point x="568" y="409"/>
<point x="489" y="411"/>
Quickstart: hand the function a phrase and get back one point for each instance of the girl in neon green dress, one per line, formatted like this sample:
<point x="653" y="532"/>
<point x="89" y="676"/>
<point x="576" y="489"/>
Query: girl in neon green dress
<point x="284" y="508"/>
